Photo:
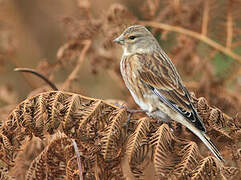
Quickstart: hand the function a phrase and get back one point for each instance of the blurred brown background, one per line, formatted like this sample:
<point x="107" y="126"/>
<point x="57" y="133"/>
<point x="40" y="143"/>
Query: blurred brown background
<point x="35" y="30"/>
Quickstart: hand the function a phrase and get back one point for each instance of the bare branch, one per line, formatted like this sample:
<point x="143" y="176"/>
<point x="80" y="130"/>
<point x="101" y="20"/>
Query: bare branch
<point x="229" y="25"/>
<point x="52" y="85"/>
<point x="205" y="18"/>
<point x="195" y="35"/>
<point x="74" y="73"/>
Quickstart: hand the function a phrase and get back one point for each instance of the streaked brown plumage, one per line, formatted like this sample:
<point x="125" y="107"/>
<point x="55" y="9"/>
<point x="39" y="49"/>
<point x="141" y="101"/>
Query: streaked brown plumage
<point x="155" y="83"/>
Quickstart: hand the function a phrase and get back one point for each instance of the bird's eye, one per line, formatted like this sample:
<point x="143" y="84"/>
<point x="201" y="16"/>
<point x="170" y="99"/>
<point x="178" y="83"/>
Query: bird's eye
<point x="131" y="37"/>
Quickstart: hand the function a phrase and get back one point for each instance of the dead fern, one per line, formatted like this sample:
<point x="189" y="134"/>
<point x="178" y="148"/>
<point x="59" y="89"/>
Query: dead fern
<point x="163" y="155"/>
<point x="190" y="156"/>
<point x="137" y="146"/>
<point x="114" y="134"/>
<point x="208" y="168"/>
<point x="103" y="140"/>
<point x="173" y="157"/>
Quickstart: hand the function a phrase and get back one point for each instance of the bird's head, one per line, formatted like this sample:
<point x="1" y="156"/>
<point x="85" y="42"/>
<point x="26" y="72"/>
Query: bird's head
<point x="137" y="39"/>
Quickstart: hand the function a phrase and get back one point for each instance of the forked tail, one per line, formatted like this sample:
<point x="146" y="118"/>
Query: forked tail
<point x="203" y="137"/>
<point x="207" y="141"/>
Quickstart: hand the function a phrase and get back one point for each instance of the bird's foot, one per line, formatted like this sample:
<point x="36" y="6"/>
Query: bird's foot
<point x="168" y="122"/>
<point x="130" y="113"/>
<point x="170" y="126"/>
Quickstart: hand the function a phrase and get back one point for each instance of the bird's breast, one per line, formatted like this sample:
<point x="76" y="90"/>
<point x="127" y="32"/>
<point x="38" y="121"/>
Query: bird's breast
<point x="138" y="90"/>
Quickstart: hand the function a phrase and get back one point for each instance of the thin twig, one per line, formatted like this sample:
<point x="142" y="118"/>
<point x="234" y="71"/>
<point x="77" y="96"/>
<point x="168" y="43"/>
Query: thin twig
<point x="30" y="81"/>
<point x="74" y="73"/>
<point x="177" y="5"/>
<point x="229" y="25"/>
<point x="195" y="35"/>
<point x="205" y="18"/>
<point x="37" y="74"/>
<point x="78" y="159"/>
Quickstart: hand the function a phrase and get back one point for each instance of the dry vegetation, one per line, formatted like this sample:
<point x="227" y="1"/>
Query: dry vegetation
<point x="65" y="135"/>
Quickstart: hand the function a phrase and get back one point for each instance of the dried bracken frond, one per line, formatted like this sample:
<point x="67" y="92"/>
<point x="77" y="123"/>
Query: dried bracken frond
<point x="189" y="157"/>
<point x="47" y="165"/>
<point x="163" y="151"/>
<point x="29" y="151"/>
<point x="231" y="172"/>
<point x="4" y="174"/>
<point x="208" y="168"/>
<point x="138" y="141"/>
<point x="215" y="120"/>
<point x="37" y="168"/>
<point x="137" y="146"/>
<point x="111" y="146"/>
<point x="34" y="116"/>
<point x="117" y="19"/>
<point x="173" y="158"/>
<point x="101" y="135"/>
<point x="90" y="120"/>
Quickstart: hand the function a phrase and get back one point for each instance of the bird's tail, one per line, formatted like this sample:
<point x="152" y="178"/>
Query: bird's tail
<point x="207" y="141"/>
<point x="203" y="137"/>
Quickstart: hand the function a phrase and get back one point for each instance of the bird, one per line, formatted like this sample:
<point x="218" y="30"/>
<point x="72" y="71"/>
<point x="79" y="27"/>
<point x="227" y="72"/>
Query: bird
<point x="155" y="84"/>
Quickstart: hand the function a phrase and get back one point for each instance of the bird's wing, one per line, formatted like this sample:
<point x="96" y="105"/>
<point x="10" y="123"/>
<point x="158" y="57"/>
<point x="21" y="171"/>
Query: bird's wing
<point x="159" y="74"/>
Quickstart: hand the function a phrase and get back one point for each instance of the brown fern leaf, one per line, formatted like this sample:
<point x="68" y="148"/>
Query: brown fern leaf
<point x="72" y="170"/>
<point x="108" y="170"/>
<point x="215" y="120"/>
<point x="209" y="169"/>
<point x="71" y="104"/>
<point x="173" y="158"/>
<point x="203" y="109"/>
<point x="231" y="173"/>
<point x="54" y="106"/>
<point x="189" y="158"/>
<point x="7" y="144"/>
<point x="78" y="115"/>
<point x="88" y="156"/>
<point x="114" y="136"/>
<point x="37" y="169"/>
<point x="163" y="155"/>
<point x="219" y="123"/>
<point x="94" y="115"/>
<point x="4" y="174"/>
<point x="137" y="145"/>
<point x="5" y="154"/>
<point x="55" y="159"/>
<point x="117" y="173"/>
<point x="25" y="109"/>
<point x="39" y="113"/>
<point x="49" y="163"/>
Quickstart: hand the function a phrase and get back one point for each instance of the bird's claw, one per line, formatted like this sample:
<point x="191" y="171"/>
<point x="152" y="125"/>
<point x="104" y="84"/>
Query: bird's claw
<point x="130" y="113"/>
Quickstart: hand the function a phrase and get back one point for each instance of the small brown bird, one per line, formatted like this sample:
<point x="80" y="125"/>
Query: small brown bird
<point x="155" y="84"/>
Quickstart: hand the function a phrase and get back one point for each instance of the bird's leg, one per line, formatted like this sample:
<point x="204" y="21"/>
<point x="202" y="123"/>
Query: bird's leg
<point x="130" y="113"/>
<point x="161" y="117"/>
<point x="169" y="123"/>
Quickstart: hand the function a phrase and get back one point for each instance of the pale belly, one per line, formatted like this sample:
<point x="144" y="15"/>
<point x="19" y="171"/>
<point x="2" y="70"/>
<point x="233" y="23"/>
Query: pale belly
<point x="144" y="106"/>
<point x="154" y="107"/>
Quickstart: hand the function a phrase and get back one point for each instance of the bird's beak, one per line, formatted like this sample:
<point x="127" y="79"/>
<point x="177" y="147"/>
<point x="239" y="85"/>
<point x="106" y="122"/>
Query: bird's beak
<point x="119" y="40"/>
